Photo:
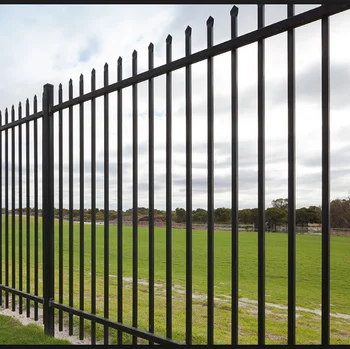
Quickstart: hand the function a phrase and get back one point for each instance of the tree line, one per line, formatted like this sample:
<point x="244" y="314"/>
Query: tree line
<point x="276" y="215"/>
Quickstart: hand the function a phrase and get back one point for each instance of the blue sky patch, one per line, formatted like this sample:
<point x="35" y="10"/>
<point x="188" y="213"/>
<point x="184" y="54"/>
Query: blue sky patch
<point x="91" y="49"/>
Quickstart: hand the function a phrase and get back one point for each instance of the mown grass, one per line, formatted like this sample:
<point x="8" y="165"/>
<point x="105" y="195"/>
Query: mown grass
<point x="12" y="332"/>
<point x="308" y="282"/>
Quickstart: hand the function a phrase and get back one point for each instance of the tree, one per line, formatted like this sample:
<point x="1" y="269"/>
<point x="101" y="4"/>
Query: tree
<point x="280" y="203"/>
<point x="315" y="213"/>
<point x="200" y="216"/>
<point x="180" y="215"/>
<point x="302" y="215"/>
<point x="100" y="216"/>
<point x="340" y="213"/>
<point x="142" y="211"/>
<point x="222" y="215"/>
<point x="113" y="215"/>
<point x="245" y="216"/>
<point x="275" y="216"/>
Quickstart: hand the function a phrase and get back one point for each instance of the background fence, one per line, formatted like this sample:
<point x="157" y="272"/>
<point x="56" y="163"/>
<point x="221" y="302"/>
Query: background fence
<point x="53" y="251"/>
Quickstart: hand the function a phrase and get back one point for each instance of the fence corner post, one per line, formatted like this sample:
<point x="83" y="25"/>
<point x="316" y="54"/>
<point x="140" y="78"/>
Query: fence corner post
<point x="48" y="210"/>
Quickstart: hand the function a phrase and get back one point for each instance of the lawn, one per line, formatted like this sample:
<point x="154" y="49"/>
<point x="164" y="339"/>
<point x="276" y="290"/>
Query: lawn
<point x="12" y="332"/>
<point x="308" y="283"/>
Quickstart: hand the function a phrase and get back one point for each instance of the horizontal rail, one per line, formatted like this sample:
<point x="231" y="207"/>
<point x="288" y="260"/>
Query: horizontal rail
<point x="23" y="294"/>
<point x="22" y="121"/>
<point x="246" y="39"/>
<point x="116" y="325"/>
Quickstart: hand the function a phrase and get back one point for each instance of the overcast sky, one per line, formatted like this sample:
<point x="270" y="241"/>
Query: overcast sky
<point x="52" y="43"/>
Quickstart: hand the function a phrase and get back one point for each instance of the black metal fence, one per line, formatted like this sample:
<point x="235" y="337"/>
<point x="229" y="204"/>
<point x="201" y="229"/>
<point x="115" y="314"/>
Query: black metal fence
<point x="46" y="299"/>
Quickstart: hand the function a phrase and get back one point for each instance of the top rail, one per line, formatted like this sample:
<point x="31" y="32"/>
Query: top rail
<point x="22" y="121"/>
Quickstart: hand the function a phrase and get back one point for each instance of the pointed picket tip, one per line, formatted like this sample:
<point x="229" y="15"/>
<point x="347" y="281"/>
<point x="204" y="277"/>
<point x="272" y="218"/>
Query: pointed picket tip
<point x="134" y="54"/>
<point x="234" y="11"/>
<point x="70" y="81"/>
<point x="35" y="98"/>
<point x="6" y="110"/>
<point x="120" y="60"/>
<point x="169" y="39"/>
<point x="27" y="101"/>
<point x="188" y="31"/>
<point x="60" y="86"/>
<point x="93" y="71"/>
<point x="151" y="47"/>
<point x="210" y="21"/>
<point x="13" y="108"/>
<point x="81" y="77"/>
<point x="19" y="105"/>
<point x="105" y="67"/>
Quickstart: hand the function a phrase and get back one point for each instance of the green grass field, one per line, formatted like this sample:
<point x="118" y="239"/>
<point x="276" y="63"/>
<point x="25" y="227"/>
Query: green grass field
<point x="308" y="283"/>
<point x="12" y="332"/>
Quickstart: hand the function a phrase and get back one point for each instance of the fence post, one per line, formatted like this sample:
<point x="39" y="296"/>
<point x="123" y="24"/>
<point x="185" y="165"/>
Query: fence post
<point x="48" y="210"/>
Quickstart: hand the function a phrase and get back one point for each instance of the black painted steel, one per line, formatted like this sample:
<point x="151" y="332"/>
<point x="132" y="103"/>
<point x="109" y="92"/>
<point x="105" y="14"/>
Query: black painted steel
<point x="325" y="338"/>
<point x="36" y="213"/>
<point x="106" y="206"/>
<point x="71" y="227"/>
<point x="6" y="210"/>
<point x="261" y="180"/>
<point x="48" y="210"/>
<point x="116" y="325"/>
<point x="93" y="207"/>
<point x="120" y="199"/>
<point x="134" y="199"/>
<point x="151" y="192"/>
<point x="27" y="119"/>
<point x="81" y="213"/>
<point x="36" y="219"/>
<point x="291" y="183"/>
<point x="234" y="179"/>
<point x="60" y="209"/>
<point x="23" y="294"/>
<point x="210" y="111"/>
<point x="20" y="213"/>
<point x="28" y="278"/>
<point x="13" y="211"/>
<point x="188" y="91"/>
<point x="168" y="190"/>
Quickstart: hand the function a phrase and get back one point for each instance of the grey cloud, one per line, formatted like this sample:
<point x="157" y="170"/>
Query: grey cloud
<point x="339" y="158"/>
<point x="308" y="88"/>
<point x="247" y="152"/>
<point x="196" y="148"/>
<point x="308" y="85"/>
<point x="222" y="183"/>
<point x="222" y="105"/>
